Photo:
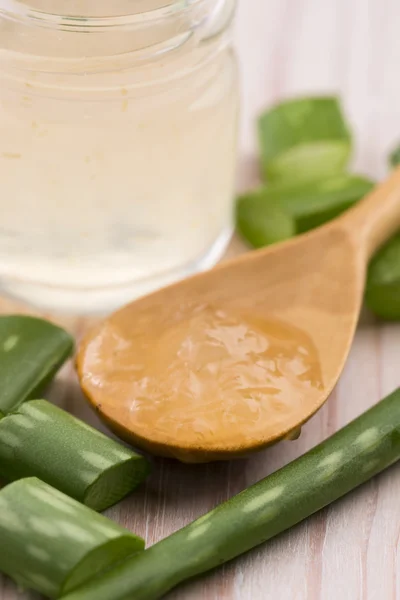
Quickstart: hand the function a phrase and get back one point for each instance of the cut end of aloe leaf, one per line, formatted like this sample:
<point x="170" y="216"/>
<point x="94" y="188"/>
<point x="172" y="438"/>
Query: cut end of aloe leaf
<point x="383" y="281"/>
<point x="116" y="483"/>
<point x="304" y="139"/>
<point x="101" y="558"/>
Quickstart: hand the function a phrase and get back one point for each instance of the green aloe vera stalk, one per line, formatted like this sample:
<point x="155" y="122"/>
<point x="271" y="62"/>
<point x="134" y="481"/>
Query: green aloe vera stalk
<point x="43" y="441"/>
<point x="51" y="543"/>
<point x="347" y="459"/>
<point x="383" y="281"/>
<point x="304" y="139"/>
<point x="303" y="205"/>
<point x="31" y="352"/>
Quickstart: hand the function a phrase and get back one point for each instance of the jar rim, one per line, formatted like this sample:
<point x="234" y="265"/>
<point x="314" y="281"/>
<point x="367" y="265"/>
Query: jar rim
<point x="20" y="11"/>
<point x="141" y="38"/>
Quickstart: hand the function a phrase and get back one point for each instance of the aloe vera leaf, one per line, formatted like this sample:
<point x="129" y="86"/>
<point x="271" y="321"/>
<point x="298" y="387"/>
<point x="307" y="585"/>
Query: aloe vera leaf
<point x="31" y="352"/>
<point x="41" y="440"/>
<point x="51" y="543"/>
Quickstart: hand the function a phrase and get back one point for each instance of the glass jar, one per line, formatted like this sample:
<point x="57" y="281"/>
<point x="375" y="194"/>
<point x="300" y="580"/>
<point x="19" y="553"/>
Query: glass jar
<point x="118" y="129"/>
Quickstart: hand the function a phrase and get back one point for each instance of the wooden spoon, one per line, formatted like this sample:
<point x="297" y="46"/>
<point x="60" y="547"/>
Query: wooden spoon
<point x="235" y="359"/>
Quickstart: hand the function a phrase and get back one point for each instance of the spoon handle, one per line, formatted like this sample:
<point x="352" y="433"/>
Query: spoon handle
<point x="377" y="217"/>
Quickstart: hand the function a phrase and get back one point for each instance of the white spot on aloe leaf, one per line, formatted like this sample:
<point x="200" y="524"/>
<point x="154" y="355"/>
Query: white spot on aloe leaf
<point x="38" y="553"/>
<point x="331" y="459"/>
<point x="87" y="476"/>
<point x="66" y="499"/>
<point x="76" y="533"/>
<point x="261" y="500"/>
<point x="10" y="343"/>
<point x="41" y="580"/>
<point x="36" y="413"/>
<point x="9" y="521"/>
<point x="24" y="422"/>
<point x="329" y="465"/>
<point x="371" y="465"/>
<point x="10" y="438"/>
<point x="53" y="501"/>
<point x="122" y="454"/>
<point x="368" y="439"/>
<point x="197" y="531"/>
<point x="96" y="460"/>
<point x="270" y="513"/>
<point x="44" y="527"/>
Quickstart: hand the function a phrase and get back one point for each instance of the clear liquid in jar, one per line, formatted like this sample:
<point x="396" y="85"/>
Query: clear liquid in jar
<point x="108" y="194"/>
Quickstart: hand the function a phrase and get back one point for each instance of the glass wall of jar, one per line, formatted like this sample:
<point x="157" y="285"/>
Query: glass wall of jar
<point x="118" y="130"/>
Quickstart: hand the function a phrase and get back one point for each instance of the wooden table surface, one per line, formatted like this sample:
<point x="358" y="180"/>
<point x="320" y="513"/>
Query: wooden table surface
<point x="349" y="551"/>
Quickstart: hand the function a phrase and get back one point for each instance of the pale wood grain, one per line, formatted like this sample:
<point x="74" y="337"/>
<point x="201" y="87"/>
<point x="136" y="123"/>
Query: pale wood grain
<point x="349" y="551"/>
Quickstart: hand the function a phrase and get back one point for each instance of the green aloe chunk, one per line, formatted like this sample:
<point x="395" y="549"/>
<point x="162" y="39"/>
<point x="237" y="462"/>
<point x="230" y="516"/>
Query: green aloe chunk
<point x="51" y="543"/>
<point x="262" y="222"/>
<point x="304" y="139"/>
<point x="31" y="352"/>
<point x="383" y="281"/>
<point x="43" y="441"/>
<point x="353" y="455"/>
<point x="303" y="205"/>
<point x="314" y="204"/>
<point x="394" y="158"/>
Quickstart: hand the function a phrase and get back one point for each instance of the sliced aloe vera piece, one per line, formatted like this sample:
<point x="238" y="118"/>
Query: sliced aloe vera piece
<point x="394" y="158"/>
<point x="383" y="282"/>
<point x="31" y="352"/>
<point x="262" y="222"/>
<point x="51" y="543"/>
<point x="314" y="203"/>
<point x="43" y="441"/>
<point x="304" y="139"/>
<point x="305" y="205"/>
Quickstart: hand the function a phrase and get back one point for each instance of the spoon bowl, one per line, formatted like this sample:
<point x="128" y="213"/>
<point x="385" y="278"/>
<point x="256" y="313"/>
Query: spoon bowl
<point x="230" y="361"/>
